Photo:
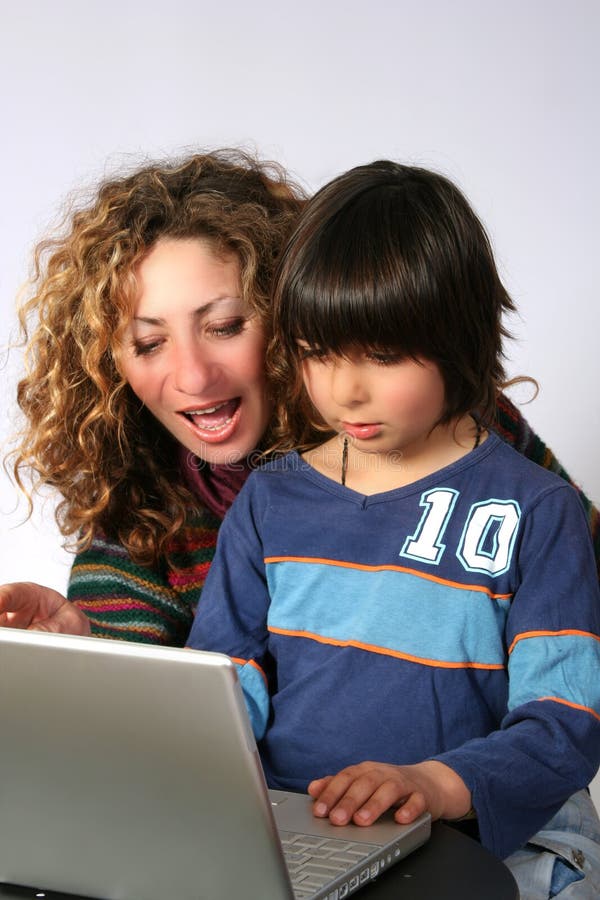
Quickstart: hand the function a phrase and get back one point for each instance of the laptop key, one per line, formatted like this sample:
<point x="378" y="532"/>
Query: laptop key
<point x="317" y="870"/>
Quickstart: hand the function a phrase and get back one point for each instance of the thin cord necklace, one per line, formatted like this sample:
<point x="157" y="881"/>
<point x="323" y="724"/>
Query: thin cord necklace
<point x="478" y="433"/>
<point x="344" y="460"/>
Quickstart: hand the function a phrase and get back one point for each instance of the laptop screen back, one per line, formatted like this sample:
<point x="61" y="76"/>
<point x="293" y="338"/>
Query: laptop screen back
<point x="130" y="771"/>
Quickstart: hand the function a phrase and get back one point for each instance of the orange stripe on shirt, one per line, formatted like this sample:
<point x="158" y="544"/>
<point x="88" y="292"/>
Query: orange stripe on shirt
<point x="535" y="634"/>
<point x="384" y="651"/>
<point x="580" y="706"/>
<point x="249" y="662"/>
<point x="387" y="568"/>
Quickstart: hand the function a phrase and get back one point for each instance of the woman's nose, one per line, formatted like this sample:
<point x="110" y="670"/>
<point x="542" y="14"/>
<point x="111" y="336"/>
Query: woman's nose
<point x="194" y="370"/>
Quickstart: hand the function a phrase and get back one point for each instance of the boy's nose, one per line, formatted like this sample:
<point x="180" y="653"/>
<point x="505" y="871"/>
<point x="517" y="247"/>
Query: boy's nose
<point x="348" y="387"/>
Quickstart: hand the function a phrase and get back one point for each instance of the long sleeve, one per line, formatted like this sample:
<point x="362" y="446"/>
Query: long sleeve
<point x="233" y="610"/>
<point x="548" y="744"/>
<point x="150" y="604"/>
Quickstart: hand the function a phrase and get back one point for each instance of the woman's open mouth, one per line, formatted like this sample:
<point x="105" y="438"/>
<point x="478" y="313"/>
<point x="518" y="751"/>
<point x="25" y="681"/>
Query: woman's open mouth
<point x="216" y="423"/>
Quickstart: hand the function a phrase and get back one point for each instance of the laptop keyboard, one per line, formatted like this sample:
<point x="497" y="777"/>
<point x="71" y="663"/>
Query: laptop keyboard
<point x="313" y="862"/>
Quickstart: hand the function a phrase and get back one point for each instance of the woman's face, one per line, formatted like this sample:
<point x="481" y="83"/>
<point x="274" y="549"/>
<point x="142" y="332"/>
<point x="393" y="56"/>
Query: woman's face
<point x="194" y="351"/>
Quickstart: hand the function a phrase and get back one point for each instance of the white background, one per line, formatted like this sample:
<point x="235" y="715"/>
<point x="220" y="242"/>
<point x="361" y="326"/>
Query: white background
<point x="503" y="98"/>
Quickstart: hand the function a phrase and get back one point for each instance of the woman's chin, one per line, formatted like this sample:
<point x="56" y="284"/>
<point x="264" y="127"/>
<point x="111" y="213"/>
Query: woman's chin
<point x="229" y="453"/>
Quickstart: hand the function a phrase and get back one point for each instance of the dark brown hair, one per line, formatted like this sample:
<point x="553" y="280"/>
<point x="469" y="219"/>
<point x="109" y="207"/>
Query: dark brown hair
<point x="391" y="258"/>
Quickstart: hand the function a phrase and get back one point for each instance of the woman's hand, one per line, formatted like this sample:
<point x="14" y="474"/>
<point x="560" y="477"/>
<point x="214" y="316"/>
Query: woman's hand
<point x="362" y="793"/>
<point x="27" y="605"/>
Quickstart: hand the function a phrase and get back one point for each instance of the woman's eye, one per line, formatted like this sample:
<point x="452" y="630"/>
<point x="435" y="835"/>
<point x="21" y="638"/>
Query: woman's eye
<point x="145" y="348"/>
<point x="227" y="329"/>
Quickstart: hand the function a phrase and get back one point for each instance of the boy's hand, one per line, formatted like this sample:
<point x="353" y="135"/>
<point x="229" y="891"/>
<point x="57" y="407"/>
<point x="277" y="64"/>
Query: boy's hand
<point x="362" y="793"/>
<point x="28" y="605"/>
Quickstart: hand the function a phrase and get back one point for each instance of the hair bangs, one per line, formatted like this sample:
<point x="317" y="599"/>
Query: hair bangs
<point x="356" y="287"/>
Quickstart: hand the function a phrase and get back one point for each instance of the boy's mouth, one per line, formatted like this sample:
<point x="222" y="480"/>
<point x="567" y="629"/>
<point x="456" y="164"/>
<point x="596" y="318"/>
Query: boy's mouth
<point x="362" y="430"/>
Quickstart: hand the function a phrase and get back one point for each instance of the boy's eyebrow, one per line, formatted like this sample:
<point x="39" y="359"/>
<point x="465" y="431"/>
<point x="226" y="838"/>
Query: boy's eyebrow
<point x="199" y="311"/>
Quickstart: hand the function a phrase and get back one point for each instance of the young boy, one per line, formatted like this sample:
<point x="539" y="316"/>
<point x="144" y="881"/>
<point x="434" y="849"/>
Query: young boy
<point x="414" y="608"/>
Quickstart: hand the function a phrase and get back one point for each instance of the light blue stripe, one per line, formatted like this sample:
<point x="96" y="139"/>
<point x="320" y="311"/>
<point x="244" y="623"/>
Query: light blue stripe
<point x="565" y="666"/>
<point x="394" y="610"/>
<point x="256" y="697"/>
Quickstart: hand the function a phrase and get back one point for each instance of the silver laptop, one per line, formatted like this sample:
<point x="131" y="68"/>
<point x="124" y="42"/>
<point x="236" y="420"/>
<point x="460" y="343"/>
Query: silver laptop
<point x="130" y="772"/>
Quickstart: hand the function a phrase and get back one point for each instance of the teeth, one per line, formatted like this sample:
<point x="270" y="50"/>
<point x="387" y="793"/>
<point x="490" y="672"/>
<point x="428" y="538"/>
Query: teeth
<point x="202" y="412"/>
<point x="216" y="427"/>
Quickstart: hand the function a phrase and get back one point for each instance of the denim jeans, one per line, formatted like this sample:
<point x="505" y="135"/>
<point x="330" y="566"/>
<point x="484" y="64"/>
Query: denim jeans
<point x="563" y="859"/>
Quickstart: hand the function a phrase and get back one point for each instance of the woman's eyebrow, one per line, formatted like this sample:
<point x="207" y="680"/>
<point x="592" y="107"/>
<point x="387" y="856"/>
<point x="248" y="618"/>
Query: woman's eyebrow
<point x="195" y="313"/>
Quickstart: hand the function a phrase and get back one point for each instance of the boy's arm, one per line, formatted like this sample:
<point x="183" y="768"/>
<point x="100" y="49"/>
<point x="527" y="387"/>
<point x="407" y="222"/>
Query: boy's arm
<point x="548" y="743"/>
<point x="231" y="616"/>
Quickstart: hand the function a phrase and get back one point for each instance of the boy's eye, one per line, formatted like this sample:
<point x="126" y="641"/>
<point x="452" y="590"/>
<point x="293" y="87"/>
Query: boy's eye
<point x="390" y="358"/>
<point x="307" y="352"/>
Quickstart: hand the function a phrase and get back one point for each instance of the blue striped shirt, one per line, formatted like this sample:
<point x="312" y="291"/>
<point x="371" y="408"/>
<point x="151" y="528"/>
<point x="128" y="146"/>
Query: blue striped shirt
<point x="456" y="618"/>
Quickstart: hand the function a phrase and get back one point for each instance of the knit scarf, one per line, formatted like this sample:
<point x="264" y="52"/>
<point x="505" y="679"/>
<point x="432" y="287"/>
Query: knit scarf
<point x="215" y="486"/>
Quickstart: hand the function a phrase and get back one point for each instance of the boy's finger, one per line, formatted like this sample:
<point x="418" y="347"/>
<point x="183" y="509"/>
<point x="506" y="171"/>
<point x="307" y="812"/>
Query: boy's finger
<point x="317" y="786"/>
<point x="414" y="806"/>
<point x="389" y="794"/>
<point x="332" y="793"/>
<point x="374" y="791"/>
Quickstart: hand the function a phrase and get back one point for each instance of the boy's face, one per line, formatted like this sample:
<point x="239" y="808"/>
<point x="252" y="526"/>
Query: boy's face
<point x="386" y="404"/>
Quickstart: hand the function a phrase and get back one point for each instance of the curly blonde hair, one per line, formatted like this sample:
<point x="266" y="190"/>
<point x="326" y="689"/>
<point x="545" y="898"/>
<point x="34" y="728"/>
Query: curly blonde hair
<point x="85" y="434"/>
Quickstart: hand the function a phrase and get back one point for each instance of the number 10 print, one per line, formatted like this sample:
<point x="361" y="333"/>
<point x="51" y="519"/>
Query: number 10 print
<point x="487" y="539"/>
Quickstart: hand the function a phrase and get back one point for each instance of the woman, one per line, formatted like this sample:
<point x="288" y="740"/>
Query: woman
<point x="145" y="402"/>
<point x="124" y="450"/>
